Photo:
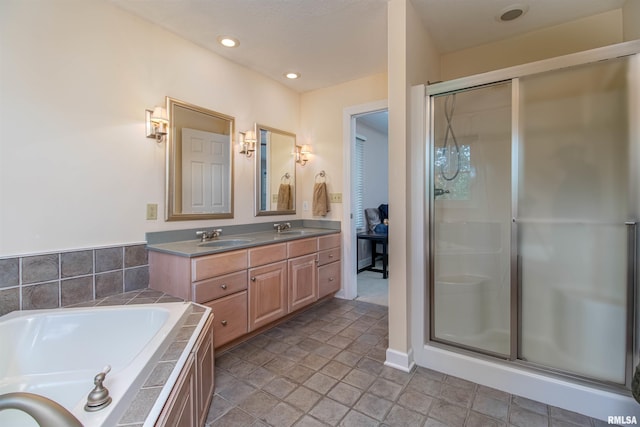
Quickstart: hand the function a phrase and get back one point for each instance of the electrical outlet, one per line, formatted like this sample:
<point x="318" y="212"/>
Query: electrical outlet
<point x="335" y="197"/>
<point x="152" y="211"/>
<point x="274" y="198"/>
<point x="305" y="205"/>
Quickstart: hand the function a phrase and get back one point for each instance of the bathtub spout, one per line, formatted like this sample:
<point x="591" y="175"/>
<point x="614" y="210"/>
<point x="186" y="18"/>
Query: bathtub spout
<point x="46" y="412"/>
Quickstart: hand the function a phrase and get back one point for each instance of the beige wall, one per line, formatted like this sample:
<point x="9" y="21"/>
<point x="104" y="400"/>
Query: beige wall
<point x="412" y="59"/>
<point x="588" y="33"/>
<point x="75" y="167"/>
<point x="321" y="126"/>
<point x="631" y="20"/>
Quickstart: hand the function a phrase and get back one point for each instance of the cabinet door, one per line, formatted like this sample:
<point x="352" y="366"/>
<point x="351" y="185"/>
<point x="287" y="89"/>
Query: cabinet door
<point x="180" y="409"/>
<point x="303" y="283"/>
<point x="267" y="294"/>
<point x="329" y="279"/>
<point x="230" y="317"/>
<point x="204" y="371"/>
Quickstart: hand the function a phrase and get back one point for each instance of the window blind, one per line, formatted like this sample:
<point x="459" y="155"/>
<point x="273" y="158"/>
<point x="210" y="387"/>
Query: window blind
<point x="359" y="183"/>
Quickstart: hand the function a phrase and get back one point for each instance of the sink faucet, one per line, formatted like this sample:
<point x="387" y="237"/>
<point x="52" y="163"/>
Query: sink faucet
<point x="46" y="412"/>
<point x="283" y="226"/>
<point x="208" y="235"/>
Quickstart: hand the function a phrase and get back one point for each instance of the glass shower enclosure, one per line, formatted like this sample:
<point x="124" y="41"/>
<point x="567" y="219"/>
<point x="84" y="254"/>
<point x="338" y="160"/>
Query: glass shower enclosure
<point x="533" y="220"/>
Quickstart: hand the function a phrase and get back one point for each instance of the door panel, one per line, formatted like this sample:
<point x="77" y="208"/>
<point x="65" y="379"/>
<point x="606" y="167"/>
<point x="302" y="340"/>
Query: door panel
<point x="472" y="219"/>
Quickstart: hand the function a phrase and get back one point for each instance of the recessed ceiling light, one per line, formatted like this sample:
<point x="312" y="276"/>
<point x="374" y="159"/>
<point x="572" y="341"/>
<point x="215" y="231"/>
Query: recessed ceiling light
<point x="292" y="75"/>
<point x="228" y="41"/>
<point x="511" y="13"/>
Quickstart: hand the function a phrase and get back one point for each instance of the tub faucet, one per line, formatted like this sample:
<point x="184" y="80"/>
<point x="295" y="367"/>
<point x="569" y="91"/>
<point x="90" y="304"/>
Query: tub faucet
<point x="46" y="412"/>
<point x="283" y="226"/>
<point x="99" y="397"/>
<point x="208" y="235"/>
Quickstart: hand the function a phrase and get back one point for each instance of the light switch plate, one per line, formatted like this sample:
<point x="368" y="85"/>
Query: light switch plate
<point x="152" y="211"/>
<point x="335" y="197"/>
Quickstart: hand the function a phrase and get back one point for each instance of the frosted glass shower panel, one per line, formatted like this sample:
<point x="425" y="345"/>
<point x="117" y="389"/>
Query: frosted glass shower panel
<point x="573" y="203"/>
<point x="471" y="206"/>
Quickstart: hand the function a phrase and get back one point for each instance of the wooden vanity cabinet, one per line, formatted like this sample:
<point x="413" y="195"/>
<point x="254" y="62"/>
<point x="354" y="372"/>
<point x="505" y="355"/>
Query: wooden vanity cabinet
<point x="329" y="265"/>
<point x="251" y="288"/>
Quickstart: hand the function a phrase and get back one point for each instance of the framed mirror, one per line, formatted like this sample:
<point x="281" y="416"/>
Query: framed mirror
<point x="275" y="171"/>
<point x="199" y="163"/>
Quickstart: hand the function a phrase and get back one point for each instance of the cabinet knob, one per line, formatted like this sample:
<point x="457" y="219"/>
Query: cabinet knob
<point x="331" y="279"/>
<point x="330" y="255"/>
<point x="223" y="286"/>
<point x="253" y="279"/>
<point x="224" y="323"/>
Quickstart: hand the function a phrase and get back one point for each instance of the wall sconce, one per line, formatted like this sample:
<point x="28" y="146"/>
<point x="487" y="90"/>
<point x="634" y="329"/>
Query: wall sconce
<point x="248" y="143"/>
<point x="157" y="122"/>
<point x="302" y="154"/>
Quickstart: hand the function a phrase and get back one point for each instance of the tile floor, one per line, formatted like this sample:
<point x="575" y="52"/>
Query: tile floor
<point x="325" y="367"/>
<point x="373" y="288"/>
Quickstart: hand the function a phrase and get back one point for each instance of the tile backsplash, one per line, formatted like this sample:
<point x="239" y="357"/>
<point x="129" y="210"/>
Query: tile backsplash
<point x="64" y="278"/>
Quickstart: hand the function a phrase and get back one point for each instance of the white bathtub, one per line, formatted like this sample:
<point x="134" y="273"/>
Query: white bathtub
<point x="56" y="353"/>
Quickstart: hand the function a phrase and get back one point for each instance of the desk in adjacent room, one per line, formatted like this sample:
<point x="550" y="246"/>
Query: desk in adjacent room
<point x="375" y="238"/>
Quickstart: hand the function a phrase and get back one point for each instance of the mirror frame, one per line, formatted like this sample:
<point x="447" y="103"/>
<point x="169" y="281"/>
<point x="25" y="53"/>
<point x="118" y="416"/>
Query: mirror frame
<point x="170" y="190"/>
<point x="258" y="211"/>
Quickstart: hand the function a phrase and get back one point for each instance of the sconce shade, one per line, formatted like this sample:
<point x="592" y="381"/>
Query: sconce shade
<point x="157" y="122"/>
<point x="301" y="152"/>
<point x="250" y="136"/>
<point x="248" y="144"/>
<point x="159" y="115"/>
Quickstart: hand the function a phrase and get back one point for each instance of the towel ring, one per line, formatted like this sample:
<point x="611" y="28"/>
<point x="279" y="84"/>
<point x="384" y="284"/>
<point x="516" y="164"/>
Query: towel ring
<point x="322" y="175"/>
<point x="285" y="177"/>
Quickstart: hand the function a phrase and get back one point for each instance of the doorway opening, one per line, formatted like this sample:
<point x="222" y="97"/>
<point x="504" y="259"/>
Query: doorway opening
<point x="370" y="196"/>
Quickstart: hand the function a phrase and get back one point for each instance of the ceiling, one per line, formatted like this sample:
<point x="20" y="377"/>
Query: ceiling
<point x="378" y="121"/>
<point x="333" y="41"/>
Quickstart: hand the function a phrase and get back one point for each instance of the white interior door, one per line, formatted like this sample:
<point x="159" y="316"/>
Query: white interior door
<point x="205" y="172"/>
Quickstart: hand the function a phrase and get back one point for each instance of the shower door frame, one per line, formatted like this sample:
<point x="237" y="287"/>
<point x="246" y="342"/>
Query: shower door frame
<point x="512" y="75"/>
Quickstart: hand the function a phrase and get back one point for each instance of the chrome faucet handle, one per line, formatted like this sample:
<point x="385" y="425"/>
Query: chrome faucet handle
<point x="98" y="397"/>
<point x="206" y="235"/>
<point x="279" y="227"/>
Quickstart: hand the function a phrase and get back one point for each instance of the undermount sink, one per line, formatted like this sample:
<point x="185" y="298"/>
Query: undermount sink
<point x="298" y="232"/>
<point x="225" y="243"/>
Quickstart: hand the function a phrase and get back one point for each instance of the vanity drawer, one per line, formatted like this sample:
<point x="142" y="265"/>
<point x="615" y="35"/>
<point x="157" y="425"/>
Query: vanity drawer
<point x="209" y="266"/>
<point x="267" y="254"/>
<point x="230" y="318"/>
<point x="301" y="247"/>
<point x="218" y="287"/>
<point x="329" y="279"/>
<point x="328" y="242"/>
<point x="329" y="255"/>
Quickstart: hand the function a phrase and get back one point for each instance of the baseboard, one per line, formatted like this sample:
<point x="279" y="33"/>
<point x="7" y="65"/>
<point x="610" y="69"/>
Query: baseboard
<point x="365" y="262"/>
<point x="399" y="360"/>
